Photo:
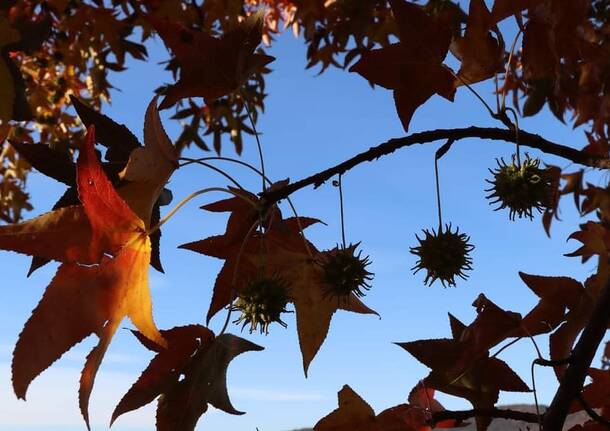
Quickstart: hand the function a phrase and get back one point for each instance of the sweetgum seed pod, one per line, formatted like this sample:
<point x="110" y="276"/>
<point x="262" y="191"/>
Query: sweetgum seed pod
<point x="444" y="255"/>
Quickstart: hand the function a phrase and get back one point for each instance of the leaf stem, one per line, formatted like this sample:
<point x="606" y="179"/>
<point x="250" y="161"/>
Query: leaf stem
<point x="237" y="261"/>
<point x="258" y="142"/>
<point x="190" y="197"/>
<point x="257" y="171"/>
<point x="214" y="168"/>
<point x="438" y="196"/>
<point x="340" y="186"/>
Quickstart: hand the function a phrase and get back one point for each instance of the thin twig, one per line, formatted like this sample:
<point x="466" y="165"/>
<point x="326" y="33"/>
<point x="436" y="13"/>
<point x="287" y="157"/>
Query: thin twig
<point x="214" y="168"/>
<point x="258" y="142"/>
<point x="190" y="197"/>
<point x="257" y="171"/>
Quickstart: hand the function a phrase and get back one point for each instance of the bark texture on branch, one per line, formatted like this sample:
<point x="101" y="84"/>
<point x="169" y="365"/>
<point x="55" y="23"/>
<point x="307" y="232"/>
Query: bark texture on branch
<point x="526" y="139"/>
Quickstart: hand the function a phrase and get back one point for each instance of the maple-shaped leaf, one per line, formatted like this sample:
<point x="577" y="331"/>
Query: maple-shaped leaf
<point x="491" y="326"/>
<point x="212" y="67"/>
<point x="188" y="375"/>
<point x="165" y="368"/>
<point x="595" y="239"/>
<point x="120" y="143"/>
<point x="355" y="414"/>
<point x="149" y="167"/>
<point x="83" y="299"/>
<point x="462" y="366"/>
<point x="580" y="307"/>
<point x="480" y="382"/>
<point x="414" y="67"/>
<point x="281" y="251"/>
<point x="481" y="54"/>
<point x="314" y="308"/>
<point x="557" y="294"/>
<point x="422" y="397"/>
<point x="239" y="239"/>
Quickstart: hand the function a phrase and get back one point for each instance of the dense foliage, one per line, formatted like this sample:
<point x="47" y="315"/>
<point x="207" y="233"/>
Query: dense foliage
<point x="105" y="228"/>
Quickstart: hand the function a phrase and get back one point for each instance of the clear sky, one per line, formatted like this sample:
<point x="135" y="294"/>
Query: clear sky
<point x="310" y="123"/>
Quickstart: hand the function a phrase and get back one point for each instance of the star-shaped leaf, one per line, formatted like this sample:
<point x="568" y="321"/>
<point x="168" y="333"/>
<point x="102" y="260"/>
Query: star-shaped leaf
<point x="414" y="67"/>
<point x="212" y="67"/>
<point x="355" y="414"/>
<point x="120" y="143"/>
<point x="280" y="250"/>
<point x="462" y="366"/>
<point x="188" y="375"/>
<point x="86" y="299"/>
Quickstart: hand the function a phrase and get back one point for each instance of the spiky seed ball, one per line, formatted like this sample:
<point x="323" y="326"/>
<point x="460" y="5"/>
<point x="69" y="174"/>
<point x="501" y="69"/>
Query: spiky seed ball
<point x="344" y="272"/>
<point x="261" y="303"/>
<point x="521" y="189"/>
<point x="444" y="255"/>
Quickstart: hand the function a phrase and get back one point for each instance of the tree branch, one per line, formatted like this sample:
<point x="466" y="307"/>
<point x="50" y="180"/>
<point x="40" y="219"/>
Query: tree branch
<point x="495" y="413"/>
<point x="581" y="357"/>
<point x="525" y="139"/>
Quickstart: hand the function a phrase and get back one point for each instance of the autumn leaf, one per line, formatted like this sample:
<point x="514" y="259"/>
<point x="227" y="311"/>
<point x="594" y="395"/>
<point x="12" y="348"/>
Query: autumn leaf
<point x="562" y="340"/>
<point x="414" y="67"/>
<point x="557" y="295"/>
<point x="149" y="167"/>
<point x="188" y="375"/>
<point x="462" y="366"/>
<point x="165" y="368"/>
<point x="239" y="239"/>
<point x="355" y="414"/>
<point x="595" y="240"/>
<point x="212" y="67"/>
<point x="82" y="300"/>
<point x="481" y="54"/>
<point x="21" y="35"/>
<point x="313" y="306"/>
<point x="282" y="251"/>
<point x="120" y="143"/>
<point x="597" y="393"/>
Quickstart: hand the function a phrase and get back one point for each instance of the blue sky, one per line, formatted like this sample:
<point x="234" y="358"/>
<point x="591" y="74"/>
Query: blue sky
<point x="312" y="123"/>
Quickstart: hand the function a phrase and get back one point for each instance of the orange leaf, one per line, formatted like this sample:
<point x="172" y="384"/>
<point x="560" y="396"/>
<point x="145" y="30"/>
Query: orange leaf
<point x="82" y="300"/>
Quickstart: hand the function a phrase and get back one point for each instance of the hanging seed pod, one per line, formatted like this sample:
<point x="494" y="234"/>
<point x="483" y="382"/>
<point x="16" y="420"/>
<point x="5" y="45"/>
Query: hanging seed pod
<point x="521" y="189"/>
<point x="344" y="272"/>
<point x="261" y="303"/>
<point x="444" y="254"/>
